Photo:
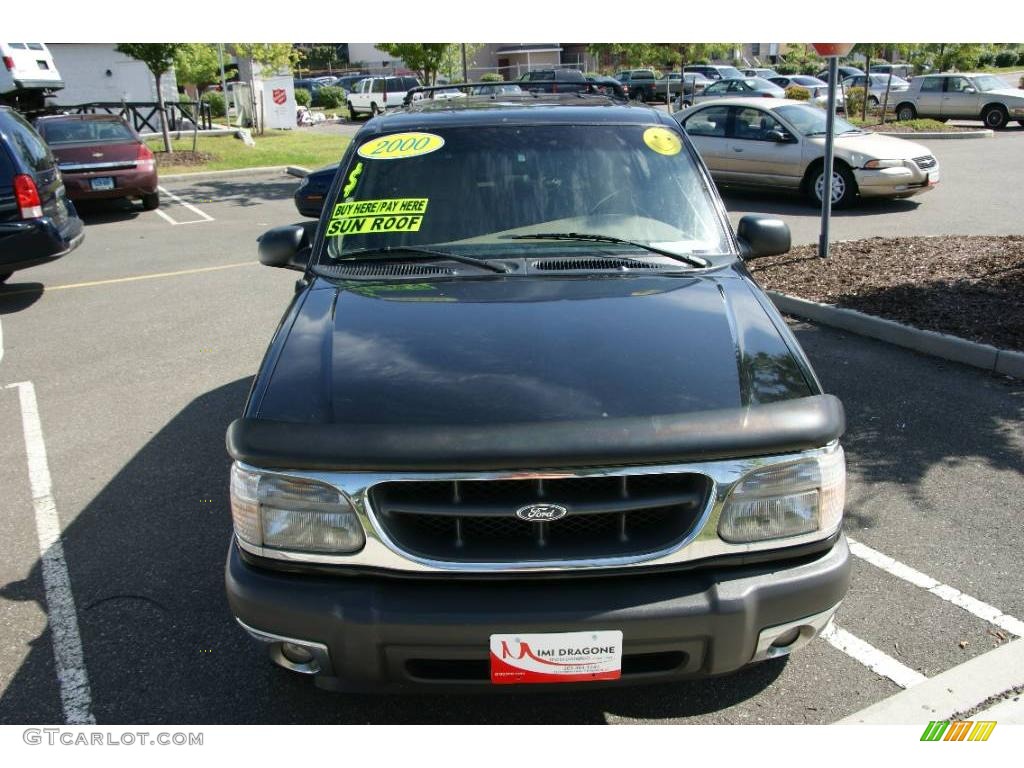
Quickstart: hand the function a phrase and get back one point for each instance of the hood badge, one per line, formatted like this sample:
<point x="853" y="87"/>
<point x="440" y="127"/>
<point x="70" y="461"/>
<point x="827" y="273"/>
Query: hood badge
<point x="97" y="154"/>
<point x="541" y="513"/>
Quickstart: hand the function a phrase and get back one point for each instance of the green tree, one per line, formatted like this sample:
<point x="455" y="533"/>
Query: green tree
<point x="197" y="64"/>
<point x="159" y="57"/>
<point x="272" y="56"/>
<point x="961" y="56"/>
<point x="451" y="60"/>
<point x="425" y="58"/>
<point x="321" y="56"/>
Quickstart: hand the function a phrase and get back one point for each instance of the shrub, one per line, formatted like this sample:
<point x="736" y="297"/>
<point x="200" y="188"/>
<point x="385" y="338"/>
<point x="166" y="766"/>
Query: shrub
<point x="491" y="77"/>
<point x="1006" y="58"/>
<point x="798" y="93"/>
<point x="854" y="101"/>
<point x="986" y="58"/>
<point x="330" y="97"/>
<point x="788" y="69"/>
<point x="1020" y="57"/>
<point x="303" y="97"/>
<point x="217" y="104"/>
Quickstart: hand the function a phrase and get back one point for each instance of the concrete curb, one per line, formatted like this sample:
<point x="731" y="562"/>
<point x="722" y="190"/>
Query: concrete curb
<point x="983" y="133"/>
<point x="201" y="175"/>
<point x="186" y="134"/>
<point x="942" y="345"/>
<point x="952" y="692"/>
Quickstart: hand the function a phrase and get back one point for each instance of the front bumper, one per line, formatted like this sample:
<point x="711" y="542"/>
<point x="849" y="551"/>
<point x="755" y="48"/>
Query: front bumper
<point x="388" y="634"/>
<point x="903" y="181"/>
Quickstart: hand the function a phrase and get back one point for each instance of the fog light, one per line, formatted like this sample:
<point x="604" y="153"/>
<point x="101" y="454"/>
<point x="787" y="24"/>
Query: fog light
<point x="296" y="653"/>
<point x="786" y="639"/>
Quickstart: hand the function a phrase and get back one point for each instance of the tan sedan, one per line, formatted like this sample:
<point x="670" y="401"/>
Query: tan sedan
<point x="780" y="143"/>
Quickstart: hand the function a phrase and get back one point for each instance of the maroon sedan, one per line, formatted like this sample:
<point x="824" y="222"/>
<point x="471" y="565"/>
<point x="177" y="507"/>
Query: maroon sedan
<point x="101" y="157"/>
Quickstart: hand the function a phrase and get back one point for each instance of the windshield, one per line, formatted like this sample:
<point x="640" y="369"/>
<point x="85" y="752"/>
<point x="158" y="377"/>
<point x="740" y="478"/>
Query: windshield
<point x="472" y="190"/>
<point x="880" y="81"/>
<point x="989" y="83"/>
<point x="804" y="80"/>
<point x="810" y="121"/>
<point x="84" y="131"/>
<point x="729" y="72"/>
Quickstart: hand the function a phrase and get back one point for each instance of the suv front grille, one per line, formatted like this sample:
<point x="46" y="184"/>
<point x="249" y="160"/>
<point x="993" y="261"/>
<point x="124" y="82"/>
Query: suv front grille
<point x="925" y="162"/>
<point x="475" y="520"/>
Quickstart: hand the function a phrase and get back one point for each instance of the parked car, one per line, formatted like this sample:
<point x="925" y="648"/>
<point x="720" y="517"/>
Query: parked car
<point x="349" y="82"/>
<point x="780" y="144"/>
<point x="876" y="87"/>
<point x="29" y="74"/>
<point x="962" y="96"/>
<point x="639" y="83"/>
<point x="746" y="86"/>
<point x="817" y="88"/>
<point x="374" y="95"/>
<point x="906" y="71"/>
<point x="494" y="89"/>
<point x="553" y="81"/>
<point x="37" y="222"/>
<point x="487" y="384"/>
<point x="312" y="190"/>
<point x="714" y="71"/>
<point x="764" y="72"/>
<point x="845" y="71"/>
<point x="608" y="86"/>
<point x="691" y="83"/>
<point x="101" y="157"/>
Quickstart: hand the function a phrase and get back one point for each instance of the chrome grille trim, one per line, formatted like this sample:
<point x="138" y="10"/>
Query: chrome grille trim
<point x="75" y="167"/>
<point x="380" y="552"/>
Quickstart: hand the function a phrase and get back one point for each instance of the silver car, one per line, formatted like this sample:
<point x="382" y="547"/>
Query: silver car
<point x="780" y="144"/>
<point x="876" y="87"/>
<point x="962" y="96"/>
<point x="738" y="87"/>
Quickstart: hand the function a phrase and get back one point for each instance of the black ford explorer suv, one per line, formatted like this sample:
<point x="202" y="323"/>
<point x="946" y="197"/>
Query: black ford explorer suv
<point x="528" y="419"/>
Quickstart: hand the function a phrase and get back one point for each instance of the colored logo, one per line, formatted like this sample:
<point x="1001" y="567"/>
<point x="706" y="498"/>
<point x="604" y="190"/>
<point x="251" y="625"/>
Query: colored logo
<point x="397" y="146"/>
<point x="541" y="513"/>
<point x="958" y="730"/>
<point x="663" y="141"/>
<point x="280" y="96"/>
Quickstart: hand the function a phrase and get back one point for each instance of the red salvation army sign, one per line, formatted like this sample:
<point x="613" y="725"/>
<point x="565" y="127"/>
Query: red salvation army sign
<point x="833" y="49"/>
<point x="280" y="96"/>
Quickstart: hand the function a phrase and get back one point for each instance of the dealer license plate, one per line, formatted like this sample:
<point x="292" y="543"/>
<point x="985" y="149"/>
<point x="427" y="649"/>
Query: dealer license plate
<point x="562" y="657"/>
<point x="102" y="182"/>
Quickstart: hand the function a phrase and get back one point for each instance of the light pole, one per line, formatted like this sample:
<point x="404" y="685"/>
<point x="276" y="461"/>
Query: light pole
<point x="832" y="51"/>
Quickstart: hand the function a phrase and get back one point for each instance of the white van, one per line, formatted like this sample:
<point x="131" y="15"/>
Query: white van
<point x="376" y="94"/>
<point x="28" y="75"/>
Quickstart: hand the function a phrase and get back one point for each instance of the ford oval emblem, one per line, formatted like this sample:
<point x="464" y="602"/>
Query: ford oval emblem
<point x="541" y="513"/>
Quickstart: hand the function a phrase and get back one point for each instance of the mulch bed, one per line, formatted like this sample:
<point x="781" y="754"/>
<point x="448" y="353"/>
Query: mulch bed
<point x="898" y="128"/>
<point x="182" y="157"/>
<point x="972" y="287"/>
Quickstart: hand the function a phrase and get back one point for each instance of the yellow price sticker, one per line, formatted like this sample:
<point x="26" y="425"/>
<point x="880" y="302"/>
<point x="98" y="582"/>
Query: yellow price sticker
<point x="663" y="141"/>
<point x="398" y="146"/>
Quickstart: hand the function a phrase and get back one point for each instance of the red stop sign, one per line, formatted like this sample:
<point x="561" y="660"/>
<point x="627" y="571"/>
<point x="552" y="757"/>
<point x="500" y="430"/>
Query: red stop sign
<point x="833" y="49"/>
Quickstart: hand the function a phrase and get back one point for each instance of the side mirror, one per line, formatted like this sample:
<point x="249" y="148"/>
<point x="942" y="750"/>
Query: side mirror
<point x="780" y="137"/>
<point x="288" y="246"/>
<point x="762" y="236"/>
<point x="969" y="89"/>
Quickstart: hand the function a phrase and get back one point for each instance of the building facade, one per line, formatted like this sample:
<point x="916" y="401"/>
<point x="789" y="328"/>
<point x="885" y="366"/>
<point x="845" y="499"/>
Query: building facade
<point x="97" y="72"/>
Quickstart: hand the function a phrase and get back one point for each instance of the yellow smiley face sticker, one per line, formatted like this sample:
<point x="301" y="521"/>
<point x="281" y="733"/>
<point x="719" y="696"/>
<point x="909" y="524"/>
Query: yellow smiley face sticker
<point x="663" y="141"/>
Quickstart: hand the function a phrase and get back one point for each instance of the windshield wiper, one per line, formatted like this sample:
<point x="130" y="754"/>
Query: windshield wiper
<point x="378" y="254"/>
<point x="692" y="260"/>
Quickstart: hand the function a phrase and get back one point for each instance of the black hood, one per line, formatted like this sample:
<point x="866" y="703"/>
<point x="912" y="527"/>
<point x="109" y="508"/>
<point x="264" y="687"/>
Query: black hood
<point x="521" y="350"/>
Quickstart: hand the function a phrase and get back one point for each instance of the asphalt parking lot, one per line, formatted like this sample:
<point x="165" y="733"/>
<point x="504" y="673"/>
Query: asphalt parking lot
<point x="138" y="349"/>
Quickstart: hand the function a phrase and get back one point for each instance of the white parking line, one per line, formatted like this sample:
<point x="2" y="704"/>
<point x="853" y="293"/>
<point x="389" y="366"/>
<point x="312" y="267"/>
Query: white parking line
<point x="202" y="216"/>
<point x="872" y="658"/>
<point x="75" y="694"/>
<point x="983" y="611"/>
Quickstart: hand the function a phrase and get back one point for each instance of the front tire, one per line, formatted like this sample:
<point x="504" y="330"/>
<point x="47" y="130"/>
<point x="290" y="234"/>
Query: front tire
<point x="873" y="102"/>
<point x="844" y="186"/>
<point x="374" y="111"/>
<point x="995" y="117"/>
<point x="151" y="202"/>
<point x="351" y="111"/>
<point x="905" y="112"/>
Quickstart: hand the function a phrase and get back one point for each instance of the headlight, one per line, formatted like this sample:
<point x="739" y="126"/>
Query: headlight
<point x="782" y="500"/>
<point x="292" y="513"/>
<point x="875" y="164"/>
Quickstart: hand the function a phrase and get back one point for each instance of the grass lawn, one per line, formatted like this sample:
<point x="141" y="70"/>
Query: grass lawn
<point x="222" y="153"/>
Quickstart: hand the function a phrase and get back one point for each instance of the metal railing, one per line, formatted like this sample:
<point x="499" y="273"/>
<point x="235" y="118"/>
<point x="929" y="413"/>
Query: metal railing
<point x="145" y="115"/>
